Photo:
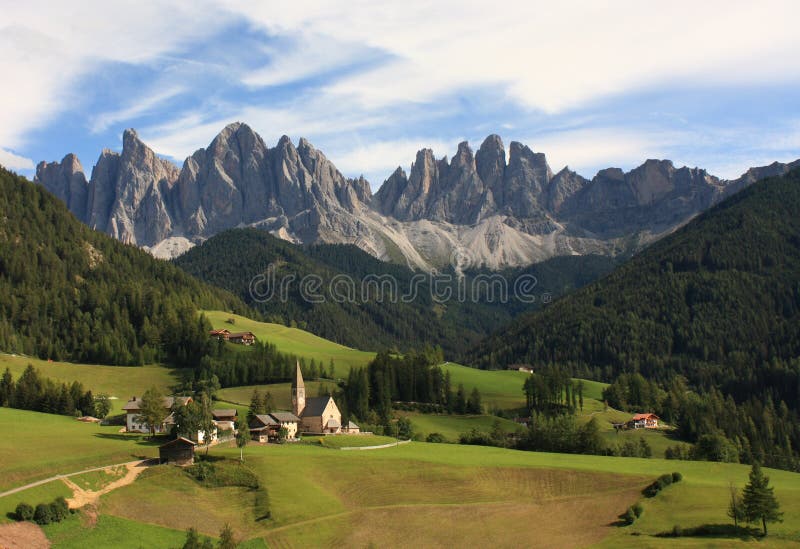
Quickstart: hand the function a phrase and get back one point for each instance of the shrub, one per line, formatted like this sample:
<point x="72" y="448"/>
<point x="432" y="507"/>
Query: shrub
<point x="677" y="531"/>
<point x="638" y="509"/>
<point x="24" y="512"/>
<point x="665" y="479"/>
<point x="435" y="437"/>
<point x="677" y="477"/>
<point x="59" y="509"/>
<point x="629" y="516"/>
<point x="43" y="514"/>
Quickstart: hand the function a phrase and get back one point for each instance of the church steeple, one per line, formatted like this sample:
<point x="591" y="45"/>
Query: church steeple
<point x="298" y="392"/>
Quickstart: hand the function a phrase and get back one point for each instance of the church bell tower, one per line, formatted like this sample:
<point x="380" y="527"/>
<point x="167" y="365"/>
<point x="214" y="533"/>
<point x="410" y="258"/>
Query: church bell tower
<point x="298" y="392"/>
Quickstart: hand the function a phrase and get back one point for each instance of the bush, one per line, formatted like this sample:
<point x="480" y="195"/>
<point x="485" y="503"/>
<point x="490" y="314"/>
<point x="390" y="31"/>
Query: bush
<point x="638" y="509"/>
<point x="665" y="480"/>
<point x="43" y="514"/>
<point x="629" y="516"/>
<point x="59" y="509"/>
<point x="677" y="477"/>
<point x="24" y="512"/>
<point x="435" y="437"/>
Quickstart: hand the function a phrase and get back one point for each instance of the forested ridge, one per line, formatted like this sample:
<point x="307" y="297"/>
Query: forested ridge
<point x="717" y="304"/>
<point x="70" y="293"/>
<point x="233" y="258"/>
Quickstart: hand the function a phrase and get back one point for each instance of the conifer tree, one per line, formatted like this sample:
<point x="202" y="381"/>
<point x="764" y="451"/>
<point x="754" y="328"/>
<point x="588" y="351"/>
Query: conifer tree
<point x="759" y="499"/>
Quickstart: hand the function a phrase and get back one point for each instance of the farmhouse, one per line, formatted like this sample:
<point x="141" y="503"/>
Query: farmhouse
<point x="225" y="418"/>
<point x="242" y="338"/>
<point x="133" y="408"/>
<point x="179" y="451"/>
<point x="264" y="427"/>
<point x="643" y="421"/>
<point x="318" y="415"/>
<point x="220" y="334"/>
<point x="520" y="368"/>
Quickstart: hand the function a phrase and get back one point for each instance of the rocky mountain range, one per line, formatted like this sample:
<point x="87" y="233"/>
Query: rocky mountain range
<point x="486" y="208"/>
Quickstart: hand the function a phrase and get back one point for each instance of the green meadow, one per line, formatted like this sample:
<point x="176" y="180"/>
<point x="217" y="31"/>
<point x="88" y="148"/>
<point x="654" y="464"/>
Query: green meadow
<point x="119" y="382"/>
<point x="35" y="446"/>
<point x="294" y="341"/>
<point x="323" y="496"/>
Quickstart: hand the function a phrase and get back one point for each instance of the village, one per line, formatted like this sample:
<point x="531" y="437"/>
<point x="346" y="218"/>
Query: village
<point x="315" y="416"/>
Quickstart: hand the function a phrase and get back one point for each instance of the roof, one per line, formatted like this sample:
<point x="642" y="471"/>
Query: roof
<point x="266" y="420"/>
<point x="297" y="382"/>
<point x="637" y="417"/>
<point x="285" y="417"/>
<point x="351" y="425"/>
<point x="134" y="404"/>
<point x="219" y="332"/>
<point x="224" y="412"/>
<point x="182" y="441"/>
<point x="315" y="406"/>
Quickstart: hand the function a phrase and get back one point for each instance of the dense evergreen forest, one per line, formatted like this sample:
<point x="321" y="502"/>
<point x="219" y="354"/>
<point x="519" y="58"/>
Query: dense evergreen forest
<point x="70" y="293"/>
<point x="233" y="259"/>
<point x="710" y="314"/>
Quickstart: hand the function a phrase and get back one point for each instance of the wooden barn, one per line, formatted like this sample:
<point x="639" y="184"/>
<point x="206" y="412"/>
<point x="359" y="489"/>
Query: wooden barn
<point x="242" y="338"/>
<point x="179" y="452"/>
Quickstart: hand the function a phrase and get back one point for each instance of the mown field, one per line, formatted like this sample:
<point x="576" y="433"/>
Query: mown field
<point x="324" y="496"/>
<point x="295" y="341"/>
<point x="34" y="446"/>
<point x="451" y="426"/>
<point x="332" y="498"/>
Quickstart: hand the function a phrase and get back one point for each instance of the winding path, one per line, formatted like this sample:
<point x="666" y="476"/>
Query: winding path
<point x="129" y="464"/>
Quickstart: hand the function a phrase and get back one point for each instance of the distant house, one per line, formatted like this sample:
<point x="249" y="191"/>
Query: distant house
<point x="220" y="334"/>
<point x="133" y="409"/>
<point x="521" y="368"/>
<point x="179" y="451"/>
<point x="264" y="427"/>
<point x="225" y="419"/>
<point x="351" y="428"/>
<point x="643" y="421"/>
<point x="242" y="338"/>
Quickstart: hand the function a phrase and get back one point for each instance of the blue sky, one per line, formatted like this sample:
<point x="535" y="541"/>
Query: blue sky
<point x="709" y="84"/>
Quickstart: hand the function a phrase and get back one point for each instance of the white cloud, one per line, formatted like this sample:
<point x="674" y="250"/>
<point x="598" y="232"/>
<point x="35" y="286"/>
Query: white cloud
<point x="47" y="47"/>
<point x="13" y="161"/>
<point x="143" y="105"/>
<point x="549" y="56"/>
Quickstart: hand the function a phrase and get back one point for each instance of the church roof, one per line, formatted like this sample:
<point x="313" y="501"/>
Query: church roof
<point x="297" y="382"/>
<point x="315" y="406"/>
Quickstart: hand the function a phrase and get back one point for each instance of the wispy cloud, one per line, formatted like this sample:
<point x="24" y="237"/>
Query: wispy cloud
<point x="14" y="161"/>
<point x="143" y="105"/>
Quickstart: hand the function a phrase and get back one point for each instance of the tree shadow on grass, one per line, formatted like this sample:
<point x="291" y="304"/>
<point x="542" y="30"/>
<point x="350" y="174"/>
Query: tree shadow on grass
<point x="713" y="531"/>
<point x="140" y="440"/>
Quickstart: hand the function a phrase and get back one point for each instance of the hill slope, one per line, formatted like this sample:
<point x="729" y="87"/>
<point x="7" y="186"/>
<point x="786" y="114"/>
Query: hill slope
<point x="241" y="261"/>
<point x="709" y="302"/>
<point x="70" y="293"/>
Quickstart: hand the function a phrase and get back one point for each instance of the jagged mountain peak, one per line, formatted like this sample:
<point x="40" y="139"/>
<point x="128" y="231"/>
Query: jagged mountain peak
<point x="506" y="205"/>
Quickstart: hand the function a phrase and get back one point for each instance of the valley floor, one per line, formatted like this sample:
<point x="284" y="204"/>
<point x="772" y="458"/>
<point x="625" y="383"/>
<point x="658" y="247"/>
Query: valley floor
<point x="436" y="495"/>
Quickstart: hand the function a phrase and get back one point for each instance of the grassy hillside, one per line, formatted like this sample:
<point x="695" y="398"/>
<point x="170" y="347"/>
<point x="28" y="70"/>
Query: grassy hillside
<point x="119" y="382"/>
<point x="295" y="341"/>
<point x="323" y="496"/>
<point x="327" y="497"/>
<point x="36" y="446"/>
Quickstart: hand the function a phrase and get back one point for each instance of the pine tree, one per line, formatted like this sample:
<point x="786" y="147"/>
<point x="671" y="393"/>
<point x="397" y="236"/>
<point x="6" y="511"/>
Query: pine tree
<point x="226" y="540"/>
<point x="759" y="500"/>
